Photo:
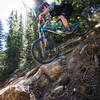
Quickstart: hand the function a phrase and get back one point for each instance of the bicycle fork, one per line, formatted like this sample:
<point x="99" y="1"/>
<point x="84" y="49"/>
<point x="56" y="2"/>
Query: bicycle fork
<point x="43" y="44"/>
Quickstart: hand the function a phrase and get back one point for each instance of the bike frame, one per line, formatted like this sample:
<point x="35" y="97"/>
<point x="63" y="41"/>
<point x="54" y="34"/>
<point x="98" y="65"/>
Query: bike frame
<point x="50" y="28"/>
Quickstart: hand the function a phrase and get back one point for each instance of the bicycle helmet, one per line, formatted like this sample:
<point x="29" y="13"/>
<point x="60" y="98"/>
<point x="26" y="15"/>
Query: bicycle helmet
<point x="43" y="4"/>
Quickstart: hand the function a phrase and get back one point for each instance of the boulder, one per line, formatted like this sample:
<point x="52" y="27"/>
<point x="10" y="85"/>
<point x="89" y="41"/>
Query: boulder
<point x="13" y="94"/>
<point x="52" y="70"/>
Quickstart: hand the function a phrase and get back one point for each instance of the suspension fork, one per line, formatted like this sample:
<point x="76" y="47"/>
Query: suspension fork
<point x="43" y="44"/>
<point x="44" y="40"/>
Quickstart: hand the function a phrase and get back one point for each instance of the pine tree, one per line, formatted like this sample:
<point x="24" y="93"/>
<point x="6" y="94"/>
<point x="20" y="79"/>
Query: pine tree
<point x="31" y="35"/>
<point x="14" y="43"/>
<point x="1" y="35"/>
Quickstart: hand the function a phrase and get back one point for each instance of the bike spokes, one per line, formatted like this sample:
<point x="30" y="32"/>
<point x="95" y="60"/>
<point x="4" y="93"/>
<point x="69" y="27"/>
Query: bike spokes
<point x="44" y="52"/>
<point x="81" y="24"/>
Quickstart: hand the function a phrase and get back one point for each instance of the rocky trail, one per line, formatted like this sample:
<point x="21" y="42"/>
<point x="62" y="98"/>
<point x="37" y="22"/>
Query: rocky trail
<point x="74" y="75"/>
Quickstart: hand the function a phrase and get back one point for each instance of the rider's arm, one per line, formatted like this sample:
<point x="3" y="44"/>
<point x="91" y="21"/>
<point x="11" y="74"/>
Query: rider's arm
<point x="48" y="20"/>
<point x="50" y="8"/>
<point x="45" y="11"/>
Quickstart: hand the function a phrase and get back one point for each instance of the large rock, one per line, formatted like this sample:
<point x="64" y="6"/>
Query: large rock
<point x="13" y="94"/>
<point x="70" y="77"/>
<point x="52" y="70"/>
<point x="37" y="78"/>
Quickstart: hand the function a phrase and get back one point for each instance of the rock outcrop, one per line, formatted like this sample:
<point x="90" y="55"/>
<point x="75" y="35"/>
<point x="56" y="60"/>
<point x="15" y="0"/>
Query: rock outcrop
<point x="74" y="75"/>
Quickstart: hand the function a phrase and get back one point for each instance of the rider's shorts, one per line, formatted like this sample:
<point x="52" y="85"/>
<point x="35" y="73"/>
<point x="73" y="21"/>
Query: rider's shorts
<point x="67" y="10"/>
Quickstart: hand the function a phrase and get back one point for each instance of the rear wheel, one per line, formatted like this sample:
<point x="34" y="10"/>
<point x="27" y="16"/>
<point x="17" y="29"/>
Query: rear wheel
<point x="83" y="27"/>
<point x="44" y="54"/>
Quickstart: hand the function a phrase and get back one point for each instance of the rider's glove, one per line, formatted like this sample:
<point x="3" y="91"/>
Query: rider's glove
<point x="40" y="16"/>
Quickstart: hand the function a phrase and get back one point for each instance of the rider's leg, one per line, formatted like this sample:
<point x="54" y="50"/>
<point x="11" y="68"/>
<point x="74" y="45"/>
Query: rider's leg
<point x="65" y="14"/>
<point x="65" y="22"/>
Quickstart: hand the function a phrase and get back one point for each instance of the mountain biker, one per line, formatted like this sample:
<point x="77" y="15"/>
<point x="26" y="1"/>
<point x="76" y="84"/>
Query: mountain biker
<point x="64" y="11"/>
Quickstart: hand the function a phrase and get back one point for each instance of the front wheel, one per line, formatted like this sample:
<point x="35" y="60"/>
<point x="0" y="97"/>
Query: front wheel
<point x="44" y="54"/>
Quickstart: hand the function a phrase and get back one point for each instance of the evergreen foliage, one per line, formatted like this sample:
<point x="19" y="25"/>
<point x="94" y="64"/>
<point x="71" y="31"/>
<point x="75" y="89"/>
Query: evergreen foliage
<point x="1" y="35"/>
<point x="31" y="35"/>
<point x="14" y="42"/>
<point x="14" y="45"/>
<point x="18" y="54"/>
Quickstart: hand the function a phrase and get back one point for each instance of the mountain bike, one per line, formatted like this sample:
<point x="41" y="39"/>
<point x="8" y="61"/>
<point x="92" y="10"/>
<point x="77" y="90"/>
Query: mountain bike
<point x="45" y="49"/>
